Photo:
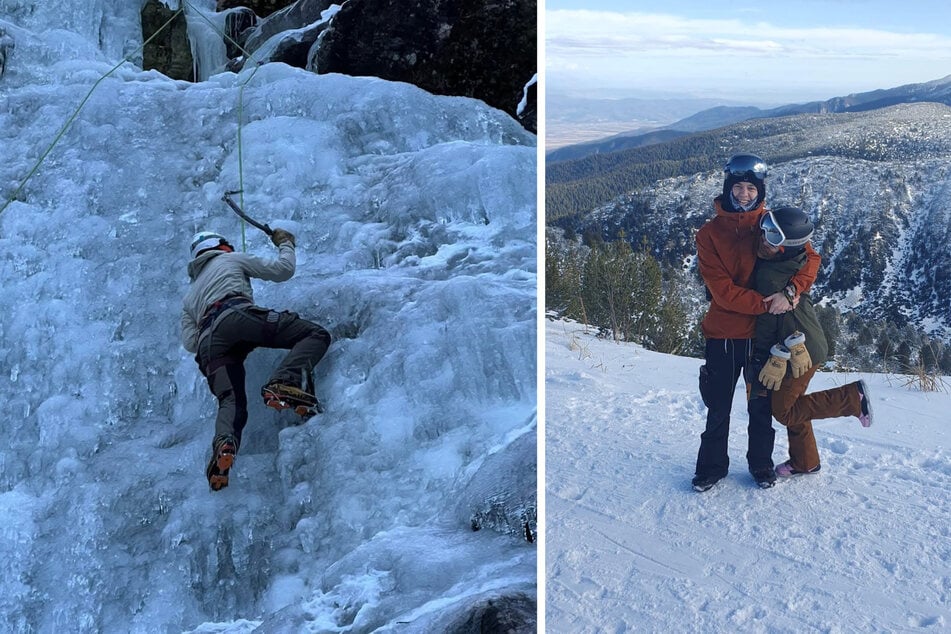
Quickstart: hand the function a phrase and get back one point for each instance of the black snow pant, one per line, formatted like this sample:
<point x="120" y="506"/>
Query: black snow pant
<point x="221" y="355"/>
<point x="725" y="361"/>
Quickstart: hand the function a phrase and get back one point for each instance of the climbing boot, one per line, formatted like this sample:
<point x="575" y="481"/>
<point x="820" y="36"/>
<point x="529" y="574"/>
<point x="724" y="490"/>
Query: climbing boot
<point x="281" y="396"/>
<point x="223" y="450"/>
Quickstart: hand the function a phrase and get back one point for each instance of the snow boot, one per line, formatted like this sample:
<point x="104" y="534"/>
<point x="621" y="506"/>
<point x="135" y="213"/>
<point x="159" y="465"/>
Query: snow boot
<point x="765" y="478"/>
<point x="223" y="450"/>
<point x="786" y="470"/>
<point x="281" y="396"/>
<point x="703" y="483"/>
<point x="866" y="416"/>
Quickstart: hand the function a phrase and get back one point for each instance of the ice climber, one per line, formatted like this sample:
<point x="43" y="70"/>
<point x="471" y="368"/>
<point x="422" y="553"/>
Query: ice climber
<point x="726" y="257"/>
<point x="222" y="325"/>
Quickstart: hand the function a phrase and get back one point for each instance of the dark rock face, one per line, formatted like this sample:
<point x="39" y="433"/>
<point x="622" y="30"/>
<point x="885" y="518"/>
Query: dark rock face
<point x="505" y="615"/>
<point x="299" y="21"/>
<point x="262" y="8"/>
<point x="237" y="25"/>
<point x="169" y="53"/>
<point x="484" y="49"/>
<point x="529" y="114"/>
<point x="6" y="47"/>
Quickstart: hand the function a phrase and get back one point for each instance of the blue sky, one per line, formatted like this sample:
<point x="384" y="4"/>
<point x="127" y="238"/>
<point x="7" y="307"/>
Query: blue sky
<point x="754" y="52"/>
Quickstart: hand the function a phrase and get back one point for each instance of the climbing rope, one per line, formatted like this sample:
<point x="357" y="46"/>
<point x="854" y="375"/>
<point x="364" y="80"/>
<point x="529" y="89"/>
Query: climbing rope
<point x="127" y="58"/>
<point x="72" y="118"/>
<point x="257" y="65"/>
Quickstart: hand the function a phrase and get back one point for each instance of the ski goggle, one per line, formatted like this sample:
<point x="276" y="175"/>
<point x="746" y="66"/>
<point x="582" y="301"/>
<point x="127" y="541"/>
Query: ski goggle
<point x="771" y="231"/>
<point x="742" y="164"/>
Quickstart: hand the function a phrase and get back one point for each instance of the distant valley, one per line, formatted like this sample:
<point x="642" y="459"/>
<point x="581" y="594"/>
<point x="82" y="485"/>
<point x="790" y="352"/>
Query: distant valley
<point x="569" y="123"/>
<point x="573" y="120"/>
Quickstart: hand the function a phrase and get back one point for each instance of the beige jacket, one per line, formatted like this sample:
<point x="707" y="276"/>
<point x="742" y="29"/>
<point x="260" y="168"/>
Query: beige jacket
<point x="216" y="274"/>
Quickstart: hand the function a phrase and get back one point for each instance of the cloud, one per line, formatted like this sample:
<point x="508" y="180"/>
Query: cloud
<point x="655" y="50"/>
<point x="585" y="32"/>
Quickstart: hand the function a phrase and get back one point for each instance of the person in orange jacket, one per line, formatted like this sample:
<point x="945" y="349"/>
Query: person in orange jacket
<point x="726" y="254"/>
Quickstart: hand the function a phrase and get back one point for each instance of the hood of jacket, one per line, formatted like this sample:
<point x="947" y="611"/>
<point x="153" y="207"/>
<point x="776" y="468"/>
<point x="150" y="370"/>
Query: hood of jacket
<point x="196" y="265"/>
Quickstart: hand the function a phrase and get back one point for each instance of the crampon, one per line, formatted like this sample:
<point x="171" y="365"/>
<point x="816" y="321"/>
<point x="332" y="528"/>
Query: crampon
<point x="281" y="397"/>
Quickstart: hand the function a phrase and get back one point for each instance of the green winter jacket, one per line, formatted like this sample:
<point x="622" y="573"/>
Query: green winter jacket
<point x="771" y="276"/>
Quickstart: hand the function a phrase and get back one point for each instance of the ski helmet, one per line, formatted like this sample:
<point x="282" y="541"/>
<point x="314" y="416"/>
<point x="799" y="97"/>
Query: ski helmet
<point x="745" y="168"/>
<point x="787" y="227"/>
<point x="204" y="240"/>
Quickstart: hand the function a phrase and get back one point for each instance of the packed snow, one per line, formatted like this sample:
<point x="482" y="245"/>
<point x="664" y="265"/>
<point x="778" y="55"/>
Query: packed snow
<point x="415" y="223"/>
<point x="862" y="546"/>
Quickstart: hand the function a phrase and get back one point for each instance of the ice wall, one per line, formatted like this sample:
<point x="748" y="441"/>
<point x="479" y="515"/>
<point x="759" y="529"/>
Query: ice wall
<point x="415" y="220"/>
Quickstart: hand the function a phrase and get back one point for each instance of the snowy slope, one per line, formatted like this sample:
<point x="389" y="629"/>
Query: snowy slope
<point x="861" y="547"/>
<point x="415" y="223"/>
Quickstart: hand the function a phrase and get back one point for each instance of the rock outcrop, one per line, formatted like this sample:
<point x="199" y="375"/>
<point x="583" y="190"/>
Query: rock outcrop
<point x="169" y="53"/>
<point x="476" y="48"/>
<point x="484" y="49"/>
<point x="262" y="8"/>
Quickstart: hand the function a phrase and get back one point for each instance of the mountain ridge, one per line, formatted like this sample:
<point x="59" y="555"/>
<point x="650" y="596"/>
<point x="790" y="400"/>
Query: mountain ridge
<point x="876" y="184"/>
<point x="937" y="91"/>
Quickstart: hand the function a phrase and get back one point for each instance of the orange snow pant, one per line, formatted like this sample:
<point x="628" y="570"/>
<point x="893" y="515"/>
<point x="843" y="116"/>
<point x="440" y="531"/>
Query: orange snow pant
<point x="796" y="410"/>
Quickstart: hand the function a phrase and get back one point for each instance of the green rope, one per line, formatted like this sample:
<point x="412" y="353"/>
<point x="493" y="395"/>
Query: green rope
<point x="72" y="118"/>
<point x="250" y="58"/>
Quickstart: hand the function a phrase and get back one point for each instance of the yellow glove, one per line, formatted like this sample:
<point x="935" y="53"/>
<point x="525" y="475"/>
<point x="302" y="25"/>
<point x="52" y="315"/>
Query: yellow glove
<point x="799" y="357"/>
<point x="279" y="237"/>
<point x="771" y="376"/>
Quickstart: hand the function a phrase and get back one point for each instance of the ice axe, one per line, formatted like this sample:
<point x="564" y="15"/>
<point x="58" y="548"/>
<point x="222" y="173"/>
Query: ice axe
<point x="251" y="221"/>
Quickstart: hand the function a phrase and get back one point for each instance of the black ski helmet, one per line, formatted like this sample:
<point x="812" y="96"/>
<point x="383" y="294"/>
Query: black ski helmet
<point x="745" y="168"/>
<point x="787" y="227"/>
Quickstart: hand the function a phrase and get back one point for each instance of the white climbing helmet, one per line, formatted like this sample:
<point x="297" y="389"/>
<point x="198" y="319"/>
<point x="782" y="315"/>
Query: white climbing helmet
<point x="204" y="240"/>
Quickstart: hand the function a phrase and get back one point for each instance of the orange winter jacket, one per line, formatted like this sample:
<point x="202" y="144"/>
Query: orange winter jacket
<point x="726" y="256"/>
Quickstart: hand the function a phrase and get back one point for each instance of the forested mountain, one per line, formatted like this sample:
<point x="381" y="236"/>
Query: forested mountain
<point x="898" y="133"/>
<point x="877" y="184"/>
<point x="937" y="91"/>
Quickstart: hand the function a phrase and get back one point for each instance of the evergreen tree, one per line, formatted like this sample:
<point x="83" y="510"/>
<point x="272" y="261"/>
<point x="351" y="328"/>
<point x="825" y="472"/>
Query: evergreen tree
<point x="903" y="356"/>
<point x="647" y="287"/>
<point x="945" y="363"/>
<point x="671" y="333"/>
<point x="829" y="320"/>
<point x="929" y="354"/>
<point x="606" y="288"/>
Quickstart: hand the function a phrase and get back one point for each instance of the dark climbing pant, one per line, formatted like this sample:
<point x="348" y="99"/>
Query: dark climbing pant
<point x="222" y="352"/>
<point x="725" y="361"/>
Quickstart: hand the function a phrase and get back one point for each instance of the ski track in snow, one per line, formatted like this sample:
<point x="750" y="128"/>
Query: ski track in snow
<point x="862" y="546"/>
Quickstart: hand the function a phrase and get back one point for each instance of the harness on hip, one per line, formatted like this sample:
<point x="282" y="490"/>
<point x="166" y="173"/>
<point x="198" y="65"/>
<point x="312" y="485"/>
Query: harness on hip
<point x="225" y="303"/>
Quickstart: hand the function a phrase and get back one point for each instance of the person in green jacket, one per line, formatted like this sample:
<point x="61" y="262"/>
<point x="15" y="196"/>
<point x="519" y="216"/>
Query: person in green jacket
<point x="790" y="347"/>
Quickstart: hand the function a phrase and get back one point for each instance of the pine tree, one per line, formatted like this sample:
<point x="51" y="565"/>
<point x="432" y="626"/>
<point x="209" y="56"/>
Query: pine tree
<point x="903" y="356"/>
<point x="606" y="288"/>
<point x="945" y="363"/>
<point x="671" y="333"/>
<point x="829" y="320"/>
<point x="929" y="354"/>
